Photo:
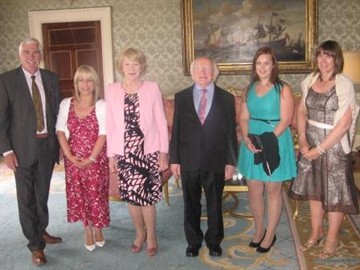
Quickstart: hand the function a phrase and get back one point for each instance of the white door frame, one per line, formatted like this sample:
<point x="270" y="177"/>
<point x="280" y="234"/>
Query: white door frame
<point x="102" y="14"/>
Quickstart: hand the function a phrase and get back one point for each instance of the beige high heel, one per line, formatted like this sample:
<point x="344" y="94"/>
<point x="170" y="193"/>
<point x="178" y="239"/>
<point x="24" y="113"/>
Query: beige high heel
<point x="152" y="251"/>
<point x="329" y="253"/>
<point x="136" y="249"/>
<point x="310" y="244"/>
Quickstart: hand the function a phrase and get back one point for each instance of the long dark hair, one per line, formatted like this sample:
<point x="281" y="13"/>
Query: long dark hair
<point x="274" y="77"/>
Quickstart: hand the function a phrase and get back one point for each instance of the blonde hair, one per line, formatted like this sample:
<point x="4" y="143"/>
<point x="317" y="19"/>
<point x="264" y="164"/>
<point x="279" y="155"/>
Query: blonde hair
<point x="134" y="55"/>
<point x="86" y="71"/>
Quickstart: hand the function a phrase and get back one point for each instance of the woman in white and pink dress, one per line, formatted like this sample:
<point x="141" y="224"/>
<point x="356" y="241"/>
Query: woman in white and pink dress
<point x="81" y="133"/>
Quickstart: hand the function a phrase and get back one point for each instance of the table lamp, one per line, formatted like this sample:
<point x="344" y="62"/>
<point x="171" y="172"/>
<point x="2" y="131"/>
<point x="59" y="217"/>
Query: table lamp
<point x="352" y="65"/>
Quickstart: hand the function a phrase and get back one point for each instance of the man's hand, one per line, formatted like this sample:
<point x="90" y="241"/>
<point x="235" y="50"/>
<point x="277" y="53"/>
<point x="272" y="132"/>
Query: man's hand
<point x="11" y="161"/>
<point x="175" y="169"/>
<point x="229" y="172"/>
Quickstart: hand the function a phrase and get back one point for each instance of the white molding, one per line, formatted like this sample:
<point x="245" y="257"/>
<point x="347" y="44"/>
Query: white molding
<point x="37" y="18"/>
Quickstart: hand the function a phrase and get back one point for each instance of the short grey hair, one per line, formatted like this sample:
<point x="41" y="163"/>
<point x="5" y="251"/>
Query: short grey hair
<point x="213" y="63"/>
<point x="30" y="40"/>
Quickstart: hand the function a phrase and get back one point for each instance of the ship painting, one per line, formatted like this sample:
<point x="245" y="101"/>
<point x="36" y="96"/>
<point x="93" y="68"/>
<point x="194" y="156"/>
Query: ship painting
<point x="231" y="31"/>
<point x="273" y="35"/>
<point x="226" y="42"/>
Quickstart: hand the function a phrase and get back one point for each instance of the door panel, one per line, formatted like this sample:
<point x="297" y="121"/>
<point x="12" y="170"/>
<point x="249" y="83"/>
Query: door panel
<point x="68" y="45"/>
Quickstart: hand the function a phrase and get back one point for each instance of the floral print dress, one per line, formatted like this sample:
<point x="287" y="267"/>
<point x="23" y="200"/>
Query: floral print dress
<point x="86" y="189"/>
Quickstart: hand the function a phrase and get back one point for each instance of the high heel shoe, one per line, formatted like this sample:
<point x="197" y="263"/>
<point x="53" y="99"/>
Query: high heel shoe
<point x="136" y="249"/>
<point x="152" y="251"/>
<point x="257" y="244"/>
<point x="88" y="247"/>
<point x="100" y="243"/>
<point x="328" y="253"/>
<point x="260" y="249"/>
<point x="310" y="244"/>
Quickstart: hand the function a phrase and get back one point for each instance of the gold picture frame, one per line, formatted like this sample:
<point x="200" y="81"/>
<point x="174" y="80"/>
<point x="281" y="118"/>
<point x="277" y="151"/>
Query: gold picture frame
<point x="230" y="31"/>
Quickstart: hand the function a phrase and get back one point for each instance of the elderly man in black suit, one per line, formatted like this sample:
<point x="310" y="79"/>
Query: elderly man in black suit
<point x="203" y="151"/>
<point x="29" y="102"/>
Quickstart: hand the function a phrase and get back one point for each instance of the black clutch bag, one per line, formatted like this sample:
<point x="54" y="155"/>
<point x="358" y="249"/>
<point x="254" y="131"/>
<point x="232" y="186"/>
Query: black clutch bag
<point x="256" y="141"/>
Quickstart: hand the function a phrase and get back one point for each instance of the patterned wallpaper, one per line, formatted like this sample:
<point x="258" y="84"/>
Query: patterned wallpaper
<point x="155" y="27"/>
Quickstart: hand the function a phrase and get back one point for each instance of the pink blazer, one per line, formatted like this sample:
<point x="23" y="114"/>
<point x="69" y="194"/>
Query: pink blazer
<point x="152" y="119"/>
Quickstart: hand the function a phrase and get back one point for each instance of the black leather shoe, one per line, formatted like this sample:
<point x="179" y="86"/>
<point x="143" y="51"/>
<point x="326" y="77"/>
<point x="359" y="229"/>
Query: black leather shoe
<point x="257" y="244"/>
<point x="215" y="251"/>
<point x="265" y="250"/>
<point x="192" y="251"/>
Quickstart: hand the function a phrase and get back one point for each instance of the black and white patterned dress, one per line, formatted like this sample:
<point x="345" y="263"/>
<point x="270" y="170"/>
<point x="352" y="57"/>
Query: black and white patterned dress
<point x="140" y="180"/>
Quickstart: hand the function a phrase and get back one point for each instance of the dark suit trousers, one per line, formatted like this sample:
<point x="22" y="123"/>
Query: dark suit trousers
<point x="32" y="187"/>
<point x="213" y="184"/>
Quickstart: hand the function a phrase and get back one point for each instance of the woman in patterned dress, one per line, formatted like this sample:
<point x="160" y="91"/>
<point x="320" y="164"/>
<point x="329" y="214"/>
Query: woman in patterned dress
<point x="138" y="144"/>
<point x="81" y="132"/>
<point x="326" y="125"/>
<point x="266" y="110"/>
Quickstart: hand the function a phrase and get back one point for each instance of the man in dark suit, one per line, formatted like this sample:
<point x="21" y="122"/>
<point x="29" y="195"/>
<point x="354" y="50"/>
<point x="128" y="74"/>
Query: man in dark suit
<point x="203" y="151"/>
<point x="28" y="141"/>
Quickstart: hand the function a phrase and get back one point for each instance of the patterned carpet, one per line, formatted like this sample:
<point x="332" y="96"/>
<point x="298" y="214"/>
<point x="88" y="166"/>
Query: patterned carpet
<point x="285" y="255"/>
<point x="348" y="253"/>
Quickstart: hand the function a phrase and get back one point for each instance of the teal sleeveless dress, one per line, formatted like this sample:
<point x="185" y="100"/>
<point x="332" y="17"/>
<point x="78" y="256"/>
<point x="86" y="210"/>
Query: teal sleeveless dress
<point x="267" y="107"/>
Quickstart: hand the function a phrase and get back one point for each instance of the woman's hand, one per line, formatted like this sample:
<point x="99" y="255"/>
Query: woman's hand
<point x="112" y="165"/>
<point x="84" y="163"/>
<point x="304" y="148"/>
<point x="312" y="154"/>
<point x="250" y="145"/>
<point x="163" y="162"/>
<point x="78" y="162"/>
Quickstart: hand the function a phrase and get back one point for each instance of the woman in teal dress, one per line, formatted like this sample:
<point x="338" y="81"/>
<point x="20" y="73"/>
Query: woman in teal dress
<point x="266" y="110"/>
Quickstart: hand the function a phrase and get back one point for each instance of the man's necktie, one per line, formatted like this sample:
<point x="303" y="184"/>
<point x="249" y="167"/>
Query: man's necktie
<point x="202" y="106"/>
<point x="37" y="104"/>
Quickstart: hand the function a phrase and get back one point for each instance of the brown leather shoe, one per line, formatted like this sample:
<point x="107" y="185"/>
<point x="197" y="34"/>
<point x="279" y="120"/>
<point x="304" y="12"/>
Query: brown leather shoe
<point x="38" y="257"/>
<point x="49" y="239"/>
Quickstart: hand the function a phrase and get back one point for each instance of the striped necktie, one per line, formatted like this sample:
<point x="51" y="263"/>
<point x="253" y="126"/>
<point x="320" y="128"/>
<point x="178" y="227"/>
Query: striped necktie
<point x="202" y="106"/>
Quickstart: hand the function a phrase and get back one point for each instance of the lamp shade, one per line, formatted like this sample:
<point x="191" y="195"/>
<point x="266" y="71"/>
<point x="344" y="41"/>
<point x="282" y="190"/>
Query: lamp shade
<point x="352" y="66"/>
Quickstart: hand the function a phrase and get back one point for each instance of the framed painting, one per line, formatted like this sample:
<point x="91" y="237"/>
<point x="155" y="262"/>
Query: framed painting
<point x="230" y="32"/>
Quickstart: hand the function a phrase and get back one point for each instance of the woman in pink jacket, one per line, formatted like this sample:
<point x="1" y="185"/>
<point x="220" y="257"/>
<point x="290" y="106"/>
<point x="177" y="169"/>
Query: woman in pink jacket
<point x="137" y="144"/>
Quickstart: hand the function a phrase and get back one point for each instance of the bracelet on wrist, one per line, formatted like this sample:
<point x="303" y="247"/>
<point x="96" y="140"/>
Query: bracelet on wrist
<point x="92" y="159"/>
<point x="320" y="150"/>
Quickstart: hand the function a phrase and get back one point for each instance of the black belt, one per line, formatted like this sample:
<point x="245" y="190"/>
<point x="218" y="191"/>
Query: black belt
<point x="267" y="121"/>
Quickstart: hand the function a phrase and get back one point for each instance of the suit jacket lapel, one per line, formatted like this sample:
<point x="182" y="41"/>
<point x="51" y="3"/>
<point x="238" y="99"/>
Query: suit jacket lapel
<point x="214" y="105"/>
<point x="49" y="98"/>
<point x="22" y="86"/>
<point x="190" y="100"/>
